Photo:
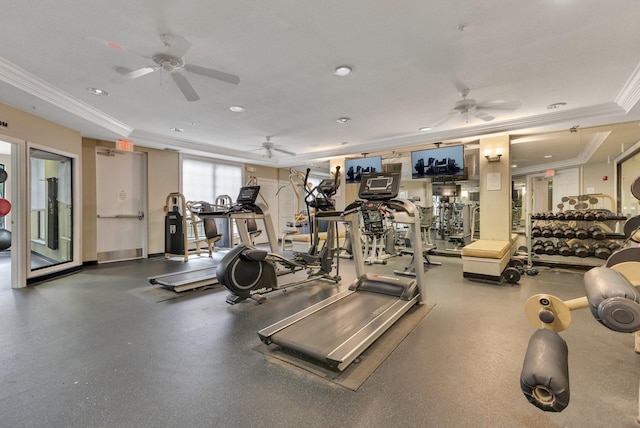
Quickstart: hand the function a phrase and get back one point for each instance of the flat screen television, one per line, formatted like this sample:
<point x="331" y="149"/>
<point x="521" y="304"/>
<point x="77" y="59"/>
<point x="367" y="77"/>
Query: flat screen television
<point x="438" y="162"/>
<point x="449" y="189"/>
<point x="354" y="168"/>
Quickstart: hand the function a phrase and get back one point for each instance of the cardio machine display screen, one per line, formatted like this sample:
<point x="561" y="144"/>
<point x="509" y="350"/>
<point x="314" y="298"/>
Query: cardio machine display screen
<point x="379" y="186"/>
<point x="248" y="194"/>
<point x="378" y="183"/>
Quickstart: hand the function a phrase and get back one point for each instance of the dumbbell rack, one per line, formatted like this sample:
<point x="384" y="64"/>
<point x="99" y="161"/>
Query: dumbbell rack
<point x="611" y="226"/>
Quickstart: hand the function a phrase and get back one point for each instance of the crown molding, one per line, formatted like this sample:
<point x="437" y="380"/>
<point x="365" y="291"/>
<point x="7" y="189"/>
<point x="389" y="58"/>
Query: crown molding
<point x="630" y="92"/>
<point x="594" y="143"/>
<point x="27" y="82"/>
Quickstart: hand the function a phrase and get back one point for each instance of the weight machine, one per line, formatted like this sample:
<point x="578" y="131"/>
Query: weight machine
<point x="613" y="298"/>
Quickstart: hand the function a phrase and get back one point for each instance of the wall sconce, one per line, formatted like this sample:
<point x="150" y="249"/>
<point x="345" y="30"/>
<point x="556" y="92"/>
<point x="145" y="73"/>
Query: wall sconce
<point x="494" y="158"/>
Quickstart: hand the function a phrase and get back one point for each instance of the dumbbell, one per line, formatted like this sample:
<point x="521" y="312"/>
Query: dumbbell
<point x="547" y="232"/>
<point x="601" y="250"/>
<point x="558" y="232"/>
<point x="600" y="216"/>
<point x="550" y="248"/>
<point x="564" y="249"/>
<point x="579" y="215"/>
<point x="570" y="215"/>
<point x="561" y="216"/>
<point x="569" y="232"/>
<point x="536" y="231"/>
<point x="596" y="233"/>
<point x="582" y="233"/>
<point x="613" y="246"/>
<point x="538" y="247"/>
<point x="581" y="250"/>
<point x="589" y="216"/>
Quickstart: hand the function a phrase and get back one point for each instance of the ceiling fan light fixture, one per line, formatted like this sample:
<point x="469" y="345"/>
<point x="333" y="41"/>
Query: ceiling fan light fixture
<point x="556" y="105"/>
<point x="342" y="70"/>
<point x="98" y="92"/>
<point x="175" y="129"/>
<point x="425" y="128"/>
<point x="343" y="119"/>
<point x="237" y="109"/>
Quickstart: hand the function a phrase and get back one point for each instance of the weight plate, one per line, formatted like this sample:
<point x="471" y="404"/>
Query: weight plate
<point x="628" y="254"/>
<point x="631" y="225"/>
<point x="3" y="176"/>
<point x="511" y="275"/>
<point x="635" y="187"/>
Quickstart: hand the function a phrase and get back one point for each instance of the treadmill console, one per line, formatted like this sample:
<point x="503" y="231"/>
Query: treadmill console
<point x="379" y="186"/>
<point x="248" y="195"/>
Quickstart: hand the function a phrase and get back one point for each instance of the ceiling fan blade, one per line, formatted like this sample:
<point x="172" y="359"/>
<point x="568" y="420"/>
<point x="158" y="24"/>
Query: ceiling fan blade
<point x="176" y="45"/>
<point x="484" y="116"/>
<point x="215" y="74"/>
<point x="443" y="119"/>
<point x="499" y="105"/>
<point x="135" y="74"/>
<point x="185" y="87"/>
<point x="284" y="151"/>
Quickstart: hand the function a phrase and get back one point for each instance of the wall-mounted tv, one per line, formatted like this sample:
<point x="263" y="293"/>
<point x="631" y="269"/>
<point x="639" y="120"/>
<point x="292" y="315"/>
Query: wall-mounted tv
<point x="354" y="168"/>
<point x="449" y="189"/>
<point x="438" y="162"/>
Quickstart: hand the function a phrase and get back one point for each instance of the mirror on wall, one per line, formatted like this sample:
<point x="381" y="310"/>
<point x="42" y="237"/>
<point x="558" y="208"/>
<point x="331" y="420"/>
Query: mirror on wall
<point x="518" y="203"/>
<point x="629" y="169"/>
<point x="50" y="216"/>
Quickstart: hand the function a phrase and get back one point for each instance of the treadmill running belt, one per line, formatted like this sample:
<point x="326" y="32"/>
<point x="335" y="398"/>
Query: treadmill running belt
<point x="319" y="334"/>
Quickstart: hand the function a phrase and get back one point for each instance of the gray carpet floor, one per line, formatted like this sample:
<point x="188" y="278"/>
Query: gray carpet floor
<point x="101" y="348"/>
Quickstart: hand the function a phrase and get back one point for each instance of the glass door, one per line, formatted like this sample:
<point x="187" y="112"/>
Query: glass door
<point x="51" y="209"/>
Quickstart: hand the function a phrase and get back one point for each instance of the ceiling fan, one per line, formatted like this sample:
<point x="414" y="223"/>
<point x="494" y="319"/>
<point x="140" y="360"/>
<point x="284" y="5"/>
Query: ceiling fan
<point x="172" y="60"/>
<point x="270" y="148"/>
<point x="468" y="106"/>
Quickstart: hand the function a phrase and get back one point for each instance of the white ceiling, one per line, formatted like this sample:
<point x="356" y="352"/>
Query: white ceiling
<point x="410" y="58"/>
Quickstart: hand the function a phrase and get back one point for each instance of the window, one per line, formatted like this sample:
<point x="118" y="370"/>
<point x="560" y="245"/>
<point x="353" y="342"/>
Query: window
<point x="204" y="180"/>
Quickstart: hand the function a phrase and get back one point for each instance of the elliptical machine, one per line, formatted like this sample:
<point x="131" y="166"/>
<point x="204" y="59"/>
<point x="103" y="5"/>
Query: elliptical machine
<point x="248" y="272"/>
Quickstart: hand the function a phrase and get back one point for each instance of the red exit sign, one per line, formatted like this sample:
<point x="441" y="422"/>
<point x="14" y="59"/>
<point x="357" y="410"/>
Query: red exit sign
<point x="124" y="145"/>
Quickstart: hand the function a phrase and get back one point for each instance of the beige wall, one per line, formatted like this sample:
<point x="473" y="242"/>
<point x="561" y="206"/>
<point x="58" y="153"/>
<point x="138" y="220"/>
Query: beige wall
<point x="592" y="178"/>
<point x="260" y="171"/>
<point x="495" y="205"/>
<point x="25" y="126"/>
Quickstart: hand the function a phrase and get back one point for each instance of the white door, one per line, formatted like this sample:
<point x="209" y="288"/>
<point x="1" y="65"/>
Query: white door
<point x="121" y="196"/>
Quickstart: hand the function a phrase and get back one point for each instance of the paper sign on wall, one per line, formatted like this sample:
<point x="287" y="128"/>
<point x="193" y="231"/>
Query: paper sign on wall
<point x="493" y="181"/>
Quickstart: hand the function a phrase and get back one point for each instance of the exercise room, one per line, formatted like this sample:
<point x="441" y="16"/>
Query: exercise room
<point x="279" y="215"/>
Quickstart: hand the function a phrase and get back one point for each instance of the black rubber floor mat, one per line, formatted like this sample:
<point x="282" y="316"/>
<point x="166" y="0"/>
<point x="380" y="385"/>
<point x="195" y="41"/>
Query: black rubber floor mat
<point x="359" y="371"/>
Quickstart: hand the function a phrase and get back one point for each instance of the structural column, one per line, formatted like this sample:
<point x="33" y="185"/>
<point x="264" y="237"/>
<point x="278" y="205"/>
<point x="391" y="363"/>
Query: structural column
<point x="495" y="188"/>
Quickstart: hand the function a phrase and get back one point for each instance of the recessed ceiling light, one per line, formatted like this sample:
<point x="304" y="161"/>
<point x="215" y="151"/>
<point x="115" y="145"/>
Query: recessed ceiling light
<point x="556" y="105"/>
<point x="98" y="92"/>
<point x="425" y="128"/>
<point x="177" y="129"/>
<point x="343" y="119"/>
<point x="548" y="156"/>
<point x="514" y="166"/>
<point x="342" y="70"/>
<point x="237" y="109"/>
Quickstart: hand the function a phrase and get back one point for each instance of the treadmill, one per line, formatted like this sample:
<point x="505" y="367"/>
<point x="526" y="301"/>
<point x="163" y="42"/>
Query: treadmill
<point x="244" y="208"/>
<point x="337" y="330"/>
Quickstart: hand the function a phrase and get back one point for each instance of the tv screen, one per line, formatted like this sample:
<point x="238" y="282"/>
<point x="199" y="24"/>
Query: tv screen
<point x="445" y="189"/>
<point x="354" y="168"/>
<point x="438" y="162"/>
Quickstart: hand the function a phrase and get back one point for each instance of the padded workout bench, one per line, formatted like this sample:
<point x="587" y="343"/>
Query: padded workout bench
<point x="487" y="260"/>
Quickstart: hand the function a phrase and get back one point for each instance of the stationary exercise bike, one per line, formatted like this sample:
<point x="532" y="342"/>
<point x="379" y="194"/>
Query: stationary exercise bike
<point x="248" y="272"/>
